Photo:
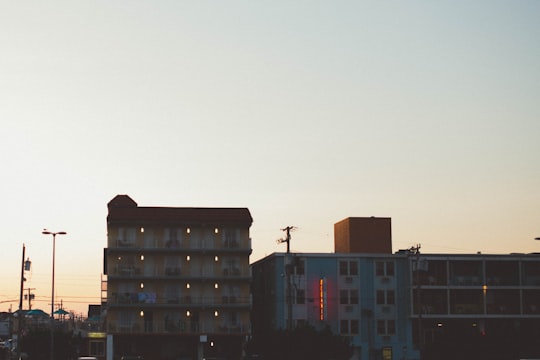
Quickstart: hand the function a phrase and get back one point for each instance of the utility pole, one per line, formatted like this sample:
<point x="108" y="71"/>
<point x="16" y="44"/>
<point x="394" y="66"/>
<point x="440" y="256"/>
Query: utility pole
<point x="30" y="297"/>
<point x="288" y="272"/>
<point x="416" y="250"/>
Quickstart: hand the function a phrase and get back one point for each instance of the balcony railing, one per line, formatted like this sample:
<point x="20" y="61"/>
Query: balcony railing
<point x="177" y="327"/>
<point x="151" y="298"/>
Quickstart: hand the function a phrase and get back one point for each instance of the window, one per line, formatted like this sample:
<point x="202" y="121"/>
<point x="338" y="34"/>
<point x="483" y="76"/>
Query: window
<point x="384" y="268"/>
<point x="353" y="297"/>
<point x="385" y="297"/>
<point x="349" y="327"/>
<point x="344" y="326"/>
<point x="343" y="268"/>
<point x="354" y="327"/>
<point x="300" y="296"/>
<point x="390" y="297"/>
<point x="347" y="297"/>
<point x="353" y="268"/>
<point x="344" y="297"/>
<point x="386" y="327"/>
<point x="380" y="297"/>
<point x="347" y="268"/>
<point x="299" y="267"/>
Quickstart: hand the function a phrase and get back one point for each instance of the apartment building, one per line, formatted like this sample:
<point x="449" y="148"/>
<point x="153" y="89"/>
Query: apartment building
<point x="404" y="305"/>
<point x="362" y="297"/>
<point x="178" y="281"/>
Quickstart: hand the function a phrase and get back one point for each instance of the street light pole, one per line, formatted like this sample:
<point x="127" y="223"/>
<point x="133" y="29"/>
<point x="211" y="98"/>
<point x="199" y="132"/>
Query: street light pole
<point x="46" y="232"/>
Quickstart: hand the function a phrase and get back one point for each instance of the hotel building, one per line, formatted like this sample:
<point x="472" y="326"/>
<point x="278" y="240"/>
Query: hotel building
<point x="177" y="281"/>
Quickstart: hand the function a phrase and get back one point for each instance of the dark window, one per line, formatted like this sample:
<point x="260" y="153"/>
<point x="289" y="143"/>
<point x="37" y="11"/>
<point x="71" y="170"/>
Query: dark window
<point x="379" y="268"/>
<point x="344" y="326"/>
<point x="380" y="297"/>
<point x="353" y="268"/>
<point x="354" y="297"/>
<point x="343" y="297"/>
<point x="300" y="267"/>
<point x="390" y="327"/>
<point x="390" y="268"/>
<point x="300" y="296"/>
<point x="390" y="297"/>
<point x="354" y="327"/>
<point x="381" y="327"/>
<point x="343" y="268"/>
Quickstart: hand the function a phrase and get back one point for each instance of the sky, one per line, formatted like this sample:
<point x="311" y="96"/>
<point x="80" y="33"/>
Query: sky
<point x="305" y="112"/>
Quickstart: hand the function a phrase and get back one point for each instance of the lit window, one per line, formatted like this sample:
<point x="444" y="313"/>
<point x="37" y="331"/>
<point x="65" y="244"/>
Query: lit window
<point x="216" y="285"/>
<point x="216" y="258"/>
<point x="142" y="285"/>
<point x="141" y="313"/>
<point x="188" y="258"/>
<point x="188" y="286"/>
<point x="216" y="313"/>
<point x="142" y="257"/>
<point x="142" y="230"/>
<point x="188" y="230"/>
<point x="216" y="230"/>
<point x="188" y="313"/>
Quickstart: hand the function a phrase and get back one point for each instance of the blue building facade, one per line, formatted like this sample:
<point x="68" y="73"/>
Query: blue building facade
<point x="365" y="297"/>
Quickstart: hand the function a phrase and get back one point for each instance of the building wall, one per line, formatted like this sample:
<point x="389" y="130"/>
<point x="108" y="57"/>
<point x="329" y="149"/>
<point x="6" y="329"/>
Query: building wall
<point x="363" y="235"/>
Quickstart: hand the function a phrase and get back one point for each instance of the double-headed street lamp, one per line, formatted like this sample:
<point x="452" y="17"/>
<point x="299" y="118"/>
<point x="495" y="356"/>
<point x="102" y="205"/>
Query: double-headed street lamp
<point x="46" y="232"/>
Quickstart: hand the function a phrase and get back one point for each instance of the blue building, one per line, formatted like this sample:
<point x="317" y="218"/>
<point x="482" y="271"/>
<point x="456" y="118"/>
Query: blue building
<point x="363" y="297"/>
<point x="403" y="305"/>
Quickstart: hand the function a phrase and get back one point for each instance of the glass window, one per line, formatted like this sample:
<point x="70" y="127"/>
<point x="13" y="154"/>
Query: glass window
<point x="390" y="297"/>
<point x="390" y="268"/>
<point x="381" y="327"/>
<point x="343" y="268"/>
<point x="354" y="327"/>
<point x="353" y="268"/>
<point x="343" y="297"/>
<point x="379" y="268"/>
<point x="300" y="296"/>
<point x="354" y="296"/>
<point x="344" y="326"/>
<point x="391" y="327"/>
<point x="380" y="297"/>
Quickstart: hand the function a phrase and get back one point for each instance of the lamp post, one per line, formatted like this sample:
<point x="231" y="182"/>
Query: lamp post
<point x="46" y="232"/>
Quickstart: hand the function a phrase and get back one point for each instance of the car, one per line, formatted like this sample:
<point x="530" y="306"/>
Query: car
<point x="87" y="358"/>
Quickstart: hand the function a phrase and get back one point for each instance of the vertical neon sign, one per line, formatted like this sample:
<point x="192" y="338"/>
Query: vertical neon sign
<point x="322" y="298"/>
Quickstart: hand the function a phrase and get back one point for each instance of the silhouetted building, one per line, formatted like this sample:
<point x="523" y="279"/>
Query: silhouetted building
<point x="178" y="280"/>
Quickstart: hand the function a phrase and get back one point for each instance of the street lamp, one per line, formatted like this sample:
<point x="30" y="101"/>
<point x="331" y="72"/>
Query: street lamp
<point x="46" y="232"/>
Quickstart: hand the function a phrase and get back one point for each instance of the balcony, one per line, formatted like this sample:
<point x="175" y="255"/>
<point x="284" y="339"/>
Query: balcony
<point x="186" y="327"/>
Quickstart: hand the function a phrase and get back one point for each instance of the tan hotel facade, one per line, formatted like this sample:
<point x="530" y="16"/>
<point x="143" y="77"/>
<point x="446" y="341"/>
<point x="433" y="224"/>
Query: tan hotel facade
<point x="177" y="281"/>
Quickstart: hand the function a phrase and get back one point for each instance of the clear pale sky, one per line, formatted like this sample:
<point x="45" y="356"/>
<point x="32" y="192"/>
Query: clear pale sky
<point x="306" y="112"/>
